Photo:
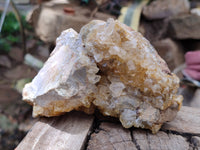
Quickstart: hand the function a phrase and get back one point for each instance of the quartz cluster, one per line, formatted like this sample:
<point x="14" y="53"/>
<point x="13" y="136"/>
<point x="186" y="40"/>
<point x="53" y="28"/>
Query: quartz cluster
<point x="107" y="66"/>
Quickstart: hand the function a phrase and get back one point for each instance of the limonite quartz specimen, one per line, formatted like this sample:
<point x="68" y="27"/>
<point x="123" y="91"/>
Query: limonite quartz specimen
<point x="107" y="66"/>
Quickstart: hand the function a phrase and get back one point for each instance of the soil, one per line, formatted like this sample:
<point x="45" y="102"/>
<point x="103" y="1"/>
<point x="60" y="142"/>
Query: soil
<point x="15" y="115"/>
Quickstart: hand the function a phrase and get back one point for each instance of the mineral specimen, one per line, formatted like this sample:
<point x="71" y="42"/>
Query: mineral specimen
<point x="111" y="67"/>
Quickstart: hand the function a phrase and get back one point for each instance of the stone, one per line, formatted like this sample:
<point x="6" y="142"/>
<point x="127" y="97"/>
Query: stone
<point x="171" y="51"/>
<point x="160" y="9"/>
<point x="43" y="51"/>
<point x="195" y="11"/>
<point x="196" y="141"/>
<point x="5" y="61"/>
<point x="195" y="102"/>
<point x="33" y="61"/>
<point x="8" y="95"/>
<point x="187" y="92"/>
<point x="31" y="45"/>
<point x="16" y="54"/>
<point x="108" y="66"/>
<point x="184" y="27"/>
<point x="20" y="71"/>
<point x="154" y="30"/>
<point x="50" y="20"/>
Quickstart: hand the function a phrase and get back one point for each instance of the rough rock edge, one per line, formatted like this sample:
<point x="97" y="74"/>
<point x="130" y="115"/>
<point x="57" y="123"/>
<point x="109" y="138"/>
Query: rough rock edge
<point x="164" y="115"/>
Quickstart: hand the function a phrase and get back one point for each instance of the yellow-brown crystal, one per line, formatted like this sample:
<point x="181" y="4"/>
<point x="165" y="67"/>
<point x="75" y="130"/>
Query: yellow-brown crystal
<point x="109" y="66"/>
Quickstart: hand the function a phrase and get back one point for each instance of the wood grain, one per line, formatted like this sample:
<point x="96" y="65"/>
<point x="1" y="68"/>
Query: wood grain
<point x="67" y="132"/>
<point x="111" y="137"/>
<point x="186" y="121"/>
<point x="114" y="137"/>
<point x="145" y="140"/>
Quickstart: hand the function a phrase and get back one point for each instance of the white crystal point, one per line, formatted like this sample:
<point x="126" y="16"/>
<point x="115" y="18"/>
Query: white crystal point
<point x="109" y="66"/>
<point x="64" y="83"/>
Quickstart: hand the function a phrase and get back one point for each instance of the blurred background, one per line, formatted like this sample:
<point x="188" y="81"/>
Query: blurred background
<point x="29" y="28"/>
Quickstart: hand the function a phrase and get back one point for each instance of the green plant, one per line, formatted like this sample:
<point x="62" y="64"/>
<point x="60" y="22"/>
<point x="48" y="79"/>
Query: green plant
<point x="10" y="25"/>
<point x="4" y="46"/>
<point x="10" y="33"/>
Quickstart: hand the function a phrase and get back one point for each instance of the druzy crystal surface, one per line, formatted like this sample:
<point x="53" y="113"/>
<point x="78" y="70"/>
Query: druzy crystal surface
<point x="110" y="67"/>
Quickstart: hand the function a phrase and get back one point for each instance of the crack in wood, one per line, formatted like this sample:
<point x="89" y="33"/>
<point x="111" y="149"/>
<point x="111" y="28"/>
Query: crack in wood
<point x="92" y="130"/>
<point x="134" y="140"/>
<point x="65" y="132"/>
<point x="111" y="136"/>
<point x="148" y="140"/>
<point x="188" y="136"/>
<point x="99" y="135"/>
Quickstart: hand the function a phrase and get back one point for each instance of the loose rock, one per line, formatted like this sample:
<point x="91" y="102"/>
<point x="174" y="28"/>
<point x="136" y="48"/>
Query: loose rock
<point x="53" y="14"/>
<point x="185" y="27"/>
<point x="196" y="141"/>
<point x="170" y="51"/>
<point x="16" y="54"/>
<point x="154" y="30"/>
<point x="160" y="9"/>
<point x="20" y="71"/>
<point x="195" y="102"/>
<point x="4" y="61"/>
<point x="112" y="67"/>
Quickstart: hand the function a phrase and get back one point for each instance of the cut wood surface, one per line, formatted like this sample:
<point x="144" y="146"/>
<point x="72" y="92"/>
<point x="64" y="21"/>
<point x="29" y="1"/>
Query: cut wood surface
<point x="111" y="137"/>
<point x="186" y="121"/>
<point x="115" y="137"/>
<point x="145" y="140"/>
<point x="67" y="132"/>
<point x="70" y="132"/>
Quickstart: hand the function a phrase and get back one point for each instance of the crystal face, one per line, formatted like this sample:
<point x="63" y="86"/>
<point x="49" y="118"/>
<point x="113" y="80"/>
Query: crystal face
<point x="111" y="67"/>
